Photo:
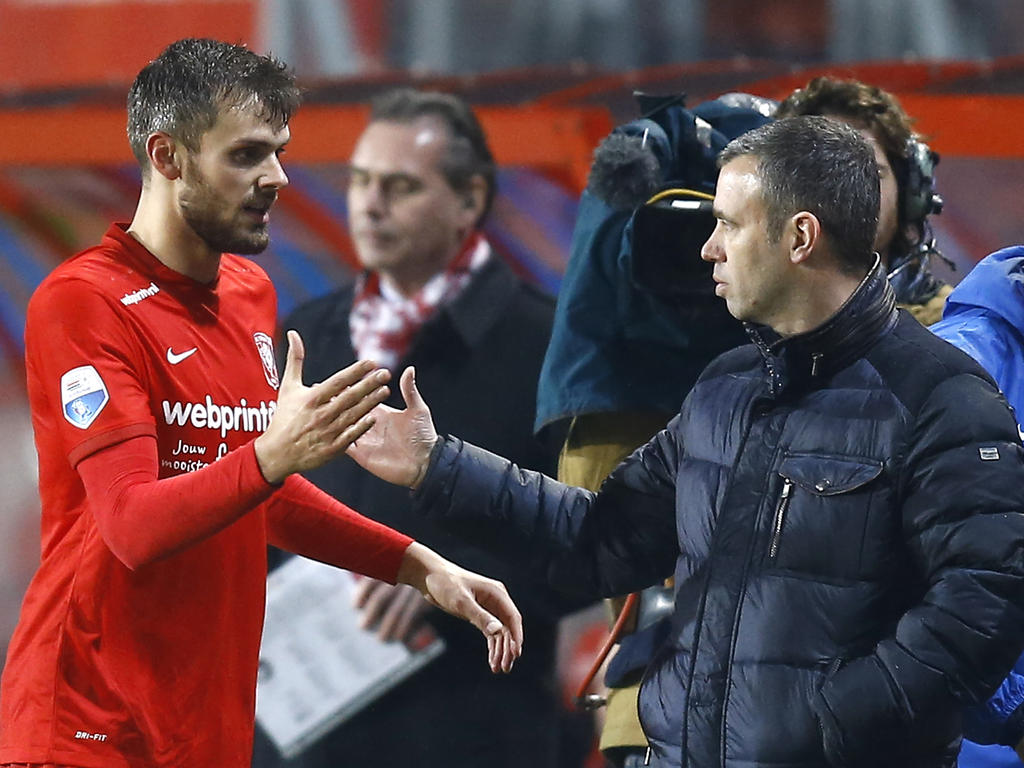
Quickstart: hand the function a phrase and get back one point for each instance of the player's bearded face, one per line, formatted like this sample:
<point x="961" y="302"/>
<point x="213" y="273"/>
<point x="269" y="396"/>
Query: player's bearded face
<point x="225" y="225"/>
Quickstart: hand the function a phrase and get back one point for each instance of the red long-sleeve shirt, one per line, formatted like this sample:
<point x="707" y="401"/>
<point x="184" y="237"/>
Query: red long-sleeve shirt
<point x="139" y="635"/>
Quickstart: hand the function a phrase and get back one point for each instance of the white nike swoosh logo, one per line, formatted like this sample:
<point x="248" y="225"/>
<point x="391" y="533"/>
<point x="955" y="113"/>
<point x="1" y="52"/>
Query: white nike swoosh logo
<point x="174" y="358"/>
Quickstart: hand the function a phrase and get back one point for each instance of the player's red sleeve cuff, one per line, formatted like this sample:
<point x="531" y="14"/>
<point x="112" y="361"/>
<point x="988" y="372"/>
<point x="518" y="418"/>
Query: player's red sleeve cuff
<point x="99" y="442"/>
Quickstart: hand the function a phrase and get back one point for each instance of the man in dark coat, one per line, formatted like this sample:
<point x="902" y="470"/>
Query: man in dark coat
<point x="435" y="296"/>
<point x="840" y="502"/>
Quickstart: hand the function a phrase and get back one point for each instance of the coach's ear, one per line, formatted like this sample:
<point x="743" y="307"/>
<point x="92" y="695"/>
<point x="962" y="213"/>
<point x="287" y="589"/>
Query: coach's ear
<point x="804" y="234"/>
<point x="164" y="154"/>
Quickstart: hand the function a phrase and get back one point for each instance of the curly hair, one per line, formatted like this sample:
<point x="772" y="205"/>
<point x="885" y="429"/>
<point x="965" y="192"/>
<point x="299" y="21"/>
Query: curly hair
<point x="862" y="105"/>
<point x="877" y="111"/>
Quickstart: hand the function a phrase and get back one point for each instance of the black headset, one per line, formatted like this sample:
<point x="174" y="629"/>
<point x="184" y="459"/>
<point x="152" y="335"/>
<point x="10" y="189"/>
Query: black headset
<point x="919" y="198"/>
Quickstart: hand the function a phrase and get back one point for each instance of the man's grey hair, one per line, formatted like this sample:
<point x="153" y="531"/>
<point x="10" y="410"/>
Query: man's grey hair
<point x="824" y="167"/>
<point x="467" y="153"/>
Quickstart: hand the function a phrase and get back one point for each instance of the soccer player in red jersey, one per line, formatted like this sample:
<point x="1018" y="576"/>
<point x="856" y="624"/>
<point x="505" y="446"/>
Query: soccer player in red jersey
<point x="168" y="448"/>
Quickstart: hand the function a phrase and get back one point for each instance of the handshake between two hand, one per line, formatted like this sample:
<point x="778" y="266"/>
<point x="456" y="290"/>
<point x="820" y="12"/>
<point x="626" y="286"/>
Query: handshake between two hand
<point x="346" y="413"/>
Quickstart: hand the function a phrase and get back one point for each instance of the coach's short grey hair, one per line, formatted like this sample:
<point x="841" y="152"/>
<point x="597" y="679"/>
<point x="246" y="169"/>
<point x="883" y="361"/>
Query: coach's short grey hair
<point x="814" y="164"/>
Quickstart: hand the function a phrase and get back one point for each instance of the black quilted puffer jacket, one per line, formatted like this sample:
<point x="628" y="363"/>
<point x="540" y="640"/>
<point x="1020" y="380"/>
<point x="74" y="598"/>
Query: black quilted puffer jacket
<point x="842" y="511"/>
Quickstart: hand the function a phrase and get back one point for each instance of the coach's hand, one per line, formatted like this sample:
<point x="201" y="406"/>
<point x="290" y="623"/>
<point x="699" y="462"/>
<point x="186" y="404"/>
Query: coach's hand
<point x="397" y="447"/>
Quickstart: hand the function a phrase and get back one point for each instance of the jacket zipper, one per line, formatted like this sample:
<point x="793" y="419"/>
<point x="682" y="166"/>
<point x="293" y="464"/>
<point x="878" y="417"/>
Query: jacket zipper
<point x="780" y="514"/>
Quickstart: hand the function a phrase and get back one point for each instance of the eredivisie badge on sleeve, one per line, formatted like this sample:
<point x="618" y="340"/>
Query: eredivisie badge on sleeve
<point x="265" y="346"/>
<point x="82" y="395"/>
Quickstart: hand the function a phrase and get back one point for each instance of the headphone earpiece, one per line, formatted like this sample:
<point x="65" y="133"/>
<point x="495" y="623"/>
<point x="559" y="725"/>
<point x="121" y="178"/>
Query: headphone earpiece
<point x="919" y="196"/>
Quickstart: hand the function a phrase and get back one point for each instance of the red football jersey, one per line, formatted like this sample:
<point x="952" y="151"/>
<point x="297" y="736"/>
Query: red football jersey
<point x="154" y="666"/>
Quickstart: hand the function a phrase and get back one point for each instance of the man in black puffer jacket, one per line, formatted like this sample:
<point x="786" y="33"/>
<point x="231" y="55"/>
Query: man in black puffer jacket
<point x="840" y="502"/>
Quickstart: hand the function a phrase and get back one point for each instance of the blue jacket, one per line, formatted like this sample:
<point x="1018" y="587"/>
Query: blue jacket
<point x="842" y="513"/>
<point x="984" y="316"/>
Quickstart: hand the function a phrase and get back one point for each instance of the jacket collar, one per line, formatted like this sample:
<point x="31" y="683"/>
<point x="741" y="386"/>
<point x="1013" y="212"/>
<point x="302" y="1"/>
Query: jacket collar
<point x="483" y="302"/>
<point x="869" y="313"/>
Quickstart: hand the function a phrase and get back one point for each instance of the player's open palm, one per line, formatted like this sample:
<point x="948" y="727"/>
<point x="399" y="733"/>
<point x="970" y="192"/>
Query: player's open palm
<point x="314" y="424"/>
<point x="397" y="446"/>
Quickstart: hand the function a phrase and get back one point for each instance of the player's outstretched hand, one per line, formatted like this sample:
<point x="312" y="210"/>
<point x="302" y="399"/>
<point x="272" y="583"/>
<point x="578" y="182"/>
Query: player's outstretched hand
<point x="314" y="424"/>
<point x="482" y="602"/>
<point x="397" y="447"/>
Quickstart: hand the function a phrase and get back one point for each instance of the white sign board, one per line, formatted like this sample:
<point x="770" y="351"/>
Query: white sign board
<point x="318" y="667"/>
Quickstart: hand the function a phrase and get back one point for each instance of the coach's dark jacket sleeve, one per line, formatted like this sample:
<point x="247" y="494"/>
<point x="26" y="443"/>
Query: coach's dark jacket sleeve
<point x="598" y="545"/>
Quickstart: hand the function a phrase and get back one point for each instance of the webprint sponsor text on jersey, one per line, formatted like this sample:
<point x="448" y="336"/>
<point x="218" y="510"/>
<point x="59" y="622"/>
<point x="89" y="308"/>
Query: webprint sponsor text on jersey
<point x="223" y="418"/>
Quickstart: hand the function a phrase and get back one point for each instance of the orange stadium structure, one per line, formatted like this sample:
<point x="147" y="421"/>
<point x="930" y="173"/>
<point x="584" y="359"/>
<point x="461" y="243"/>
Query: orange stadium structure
<point x="66" y="170"/>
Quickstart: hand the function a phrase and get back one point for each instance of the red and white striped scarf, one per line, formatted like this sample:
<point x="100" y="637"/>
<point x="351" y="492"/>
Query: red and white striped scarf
<point x="384" y="323"/>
